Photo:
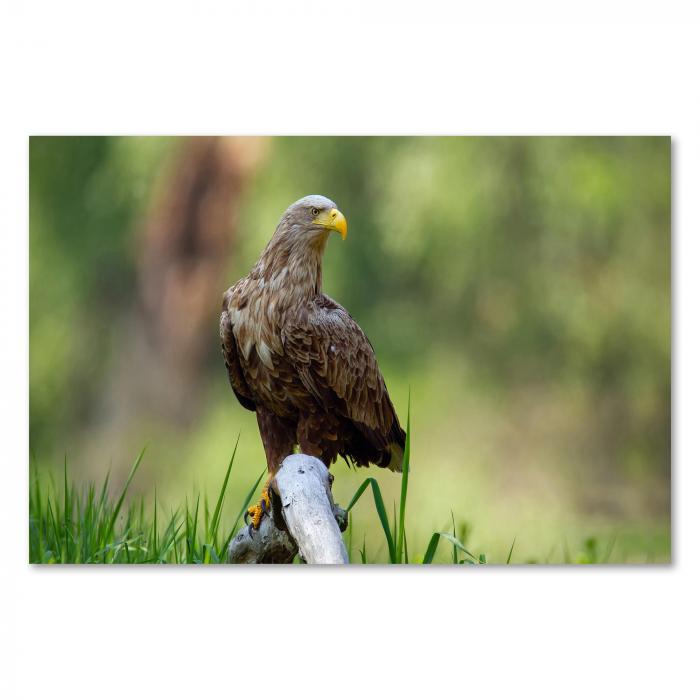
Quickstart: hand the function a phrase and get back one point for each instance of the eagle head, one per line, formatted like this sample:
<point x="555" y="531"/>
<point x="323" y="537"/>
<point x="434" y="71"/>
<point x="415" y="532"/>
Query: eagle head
<point x="311" y="218"/>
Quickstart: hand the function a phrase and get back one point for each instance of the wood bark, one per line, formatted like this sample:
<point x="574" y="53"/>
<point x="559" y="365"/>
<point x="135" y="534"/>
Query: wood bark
<point x="304" y="519"/>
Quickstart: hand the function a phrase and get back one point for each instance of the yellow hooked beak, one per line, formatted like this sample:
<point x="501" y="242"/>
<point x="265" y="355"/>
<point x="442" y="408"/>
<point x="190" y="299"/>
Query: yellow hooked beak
<point x="333" y="220"/>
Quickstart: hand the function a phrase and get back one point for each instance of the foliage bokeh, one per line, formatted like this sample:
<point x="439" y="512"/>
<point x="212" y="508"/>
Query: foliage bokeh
<point x="519" y="286"/>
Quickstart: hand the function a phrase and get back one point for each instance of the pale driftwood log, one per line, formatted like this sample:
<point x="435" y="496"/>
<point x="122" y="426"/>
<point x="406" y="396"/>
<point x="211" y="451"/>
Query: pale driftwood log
<point x="268" y="545"/>
<point x="304" y="519"/>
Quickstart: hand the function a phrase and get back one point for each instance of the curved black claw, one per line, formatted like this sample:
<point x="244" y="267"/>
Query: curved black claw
<point x="246" y="516"/>
<point x="251" y="529"/>
<point x="263" y="505"/>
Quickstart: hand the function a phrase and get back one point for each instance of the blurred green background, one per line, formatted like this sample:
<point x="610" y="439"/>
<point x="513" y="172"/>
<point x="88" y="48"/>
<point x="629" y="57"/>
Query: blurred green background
<point x="519" y="286"/>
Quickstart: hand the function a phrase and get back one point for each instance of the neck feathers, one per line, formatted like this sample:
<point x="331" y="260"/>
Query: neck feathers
<point x="293" y="267"/>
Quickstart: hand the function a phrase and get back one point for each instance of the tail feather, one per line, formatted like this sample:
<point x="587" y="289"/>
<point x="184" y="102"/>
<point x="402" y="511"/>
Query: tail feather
<point x="396" y="458"/>
<point x="381" y="449"/>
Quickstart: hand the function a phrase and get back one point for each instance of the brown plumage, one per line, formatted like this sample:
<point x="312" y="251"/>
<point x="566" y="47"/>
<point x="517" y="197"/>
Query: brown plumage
<point x="299" y="360"/>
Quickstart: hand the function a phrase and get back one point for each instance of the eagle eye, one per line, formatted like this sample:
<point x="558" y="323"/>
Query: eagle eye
<point x="314" y="211"/>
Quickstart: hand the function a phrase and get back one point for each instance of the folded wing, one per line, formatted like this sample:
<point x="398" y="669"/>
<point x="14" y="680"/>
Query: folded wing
<point x="337" y="365"/>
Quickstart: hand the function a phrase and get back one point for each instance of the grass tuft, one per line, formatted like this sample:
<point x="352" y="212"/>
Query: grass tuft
<point x="68" y="524"/>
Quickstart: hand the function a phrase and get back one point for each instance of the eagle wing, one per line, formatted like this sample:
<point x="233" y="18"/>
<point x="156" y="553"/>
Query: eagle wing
<point x="337" y="365"/>
<point x="229" y="347"/>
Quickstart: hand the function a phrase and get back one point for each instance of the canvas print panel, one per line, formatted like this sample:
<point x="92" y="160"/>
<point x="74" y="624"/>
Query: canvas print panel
<point x="472" y="333"/>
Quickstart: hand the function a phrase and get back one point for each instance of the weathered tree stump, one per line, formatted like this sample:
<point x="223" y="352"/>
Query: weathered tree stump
<point x="304" y="519"/>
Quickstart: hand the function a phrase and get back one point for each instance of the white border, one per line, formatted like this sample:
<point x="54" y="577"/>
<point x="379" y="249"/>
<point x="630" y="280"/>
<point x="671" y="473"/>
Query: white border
<point x="305" y="67"/>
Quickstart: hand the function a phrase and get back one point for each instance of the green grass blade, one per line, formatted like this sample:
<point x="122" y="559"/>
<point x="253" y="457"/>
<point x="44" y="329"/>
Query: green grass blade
<point x="103" y="493"/>
<point x="404" y="482"/>
<point x="458" y="544"/>
<point x="455" y="558"/>
<point x="154" y="532"/>
<point x="348" y="536"/>
<point x="117" y="508"/>
<point x="510" y="554"/>
<point x="358" y="493"/>
<point x="219" y="503"/>
<point x="66" y="507"/>
<point x="188" y="532"/>
<point x="55" y="545"/>
<point x="432" y="548"/>
<point x="195" y="525"/>
<point x="381" y="512"/>
<point x="207" y="520"/>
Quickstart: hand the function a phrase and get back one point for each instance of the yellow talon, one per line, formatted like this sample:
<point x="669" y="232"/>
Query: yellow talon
<point x="256" y="512"/>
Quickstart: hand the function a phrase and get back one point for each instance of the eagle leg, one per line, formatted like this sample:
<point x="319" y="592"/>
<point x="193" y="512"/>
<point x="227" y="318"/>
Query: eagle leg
<point x="278" y="436"/>
<point x="256" y="512"/>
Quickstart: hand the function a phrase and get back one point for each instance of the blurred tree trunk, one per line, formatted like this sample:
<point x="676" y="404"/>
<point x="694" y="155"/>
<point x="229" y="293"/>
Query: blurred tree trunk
<point x="187" y="240"/>
<point x="183" y="253"/>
